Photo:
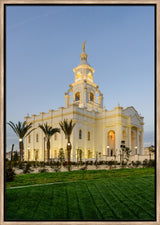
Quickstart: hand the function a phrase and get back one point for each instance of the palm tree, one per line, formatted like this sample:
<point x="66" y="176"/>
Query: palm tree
<point x="67" y="128"/>
<point x="48" y="132"/>
<point x="22" y="130"/>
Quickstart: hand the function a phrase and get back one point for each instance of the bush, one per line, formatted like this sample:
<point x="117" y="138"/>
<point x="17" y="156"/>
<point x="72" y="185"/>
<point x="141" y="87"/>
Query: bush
<point x="137" y="163"/>
<point x="57" y="169"/>
<point x="110" y="163"/>
<point x="27" y="168"/>
<point x="43" y="170"/>
<point x="124" y="164"/>
<point x="9" y="174"/>
<point x="145" y="163"/>
<point x="151" y="163"/>
<point x="84" y="168"/>
<point x="42" y="164"/>
<point x="20" y="165"/>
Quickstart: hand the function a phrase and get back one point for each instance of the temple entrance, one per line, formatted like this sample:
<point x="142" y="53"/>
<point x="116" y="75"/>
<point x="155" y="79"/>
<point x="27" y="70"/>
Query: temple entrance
<point x="111" y="141"/>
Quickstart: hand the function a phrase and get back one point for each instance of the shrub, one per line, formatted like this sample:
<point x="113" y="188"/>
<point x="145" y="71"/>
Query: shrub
<point x="42" y="164"/>
<point x="124" y="164"/>
<point x="43" y="170"/>
<point x="145" y="163"/>
<point x="84" y="168"/>
<point x="110" y="163"/>
<point x="20" y="165"/>
<point x="27" y="168"/>
<point x="57" y="169"/>
<point x="151" y="163"/>
<point x="137" y="163"/>
<point x="9" y="174"/>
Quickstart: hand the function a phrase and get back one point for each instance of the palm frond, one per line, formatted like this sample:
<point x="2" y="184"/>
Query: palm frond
<point x="21" y="128"/>
<point x="48" y="130"/>
<point x="67" y="127"/>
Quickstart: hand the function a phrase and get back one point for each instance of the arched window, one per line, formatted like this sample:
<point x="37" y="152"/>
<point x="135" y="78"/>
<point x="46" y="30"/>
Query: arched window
<point x="90" y="75"/>
<point x="78" y="76"/>
<point x="111" y="141"/>
<point x="91" y="97"/>
<point x="80" y="134"/>
<point x="37" y="138"/>
<point x="89" y="135"/>
<point x="29" y="139"/>
<point x="77" y="96"/>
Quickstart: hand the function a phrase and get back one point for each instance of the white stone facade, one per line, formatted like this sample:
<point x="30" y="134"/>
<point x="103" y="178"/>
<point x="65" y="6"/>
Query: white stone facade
<point x="96" y="130"/>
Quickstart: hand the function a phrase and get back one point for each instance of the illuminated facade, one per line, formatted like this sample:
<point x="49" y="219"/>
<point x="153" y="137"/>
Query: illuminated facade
<point x="97" y="130"/>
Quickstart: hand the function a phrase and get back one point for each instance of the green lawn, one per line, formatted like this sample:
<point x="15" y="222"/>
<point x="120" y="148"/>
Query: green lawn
<point x="126" y="194"/>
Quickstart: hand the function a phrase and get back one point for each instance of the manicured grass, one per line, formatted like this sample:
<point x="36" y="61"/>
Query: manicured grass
<point x="109" y="195"/>
<point x="43" y="178"/>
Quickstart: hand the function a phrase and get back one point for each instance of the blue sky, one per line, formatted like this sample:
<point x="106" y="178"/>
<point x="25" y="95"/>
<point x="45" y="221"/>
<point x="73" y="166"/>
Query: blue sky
<point x="44" y="43"/>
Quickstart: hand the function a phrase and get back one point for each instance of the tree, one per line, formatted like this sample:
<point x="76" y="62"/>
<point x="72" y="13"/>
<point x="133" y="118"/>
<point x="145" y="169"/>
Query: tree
<point x="12" y="151"/>
<point x="151" y="150"/>
<point x="22" y="130"/>
<point x="127" y="153"/>
<point x="61" y="156"/>
<point x="48" y="132"/>
<point x="15" y="157"/>
<point x="79" y="155"/>
<point x="67" y="127"/>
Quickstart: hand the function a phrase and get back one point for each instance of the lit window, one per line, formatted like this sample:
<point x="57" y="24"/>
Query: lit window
<point x="89" y="136"/>
<point x="90" y="76"/>
<point x="77" y="96"/>
<point x="78" y="76"/>
<point x="80" y="134"/>
<point x="91" y="97"/>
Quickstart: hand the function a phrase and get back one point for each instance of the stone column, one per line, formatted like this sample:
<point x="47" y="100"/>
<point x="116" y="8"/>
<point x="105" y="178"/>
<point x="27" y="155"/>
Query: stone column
<point x="137" y="137"/>
<point x="142" y="147"/>
<point x="118" y="136"/>
<point x="100" y="100"/>
<point x="129" y="137"/>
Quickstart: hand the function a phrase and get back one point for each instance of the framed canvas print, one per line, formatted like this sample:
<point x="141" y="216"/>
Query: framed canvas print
<point x="80" y="112"/>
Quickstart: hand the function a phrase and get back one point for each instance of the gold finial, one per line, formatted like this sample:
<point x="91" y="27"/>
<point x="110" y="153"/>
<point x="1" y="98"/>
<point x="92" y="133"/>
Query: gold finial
<point x="84" y="46"/>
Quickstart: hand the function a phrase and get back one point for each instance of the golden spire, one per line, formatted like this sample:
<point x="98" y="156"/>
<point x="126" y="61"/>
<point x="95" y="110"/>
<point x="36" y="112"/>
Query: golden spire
<point x="84" y="46"/>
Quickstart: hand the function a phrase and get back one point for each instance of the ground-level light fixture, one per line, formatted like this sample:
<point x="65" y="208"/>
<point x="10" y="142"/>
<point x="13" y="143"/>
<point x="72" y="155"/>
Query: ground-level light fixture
<point x="107" y="150"/>
<point x="136" y="150"/>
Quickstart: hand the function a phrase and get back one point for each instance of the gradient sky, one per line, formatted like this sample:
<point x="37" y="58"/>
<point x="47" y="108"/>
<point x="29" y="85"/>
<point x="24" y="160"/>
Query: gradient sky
<point x="44" y="43"/>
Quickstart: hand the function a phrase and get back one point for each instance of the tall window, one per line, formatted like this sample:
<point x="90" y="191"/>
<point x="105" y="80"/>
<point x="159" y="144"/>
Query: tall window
<point x="77" y="96"/>
<point x="55" y="136"/>
<point x="80" y="134"/>
<point x="55" y="153"/>
<point x="29" y="139"/>
<point x="89" y="136"/>
<point x="36" y="155"/>
<point x="37" y="138"/>
<point x="91" y="97"/>
<point x="89" y="154"/>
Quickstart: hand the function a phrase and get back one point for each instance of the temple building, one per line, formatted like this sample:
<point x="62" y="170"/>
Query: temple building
<point x="97" y="130"/>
